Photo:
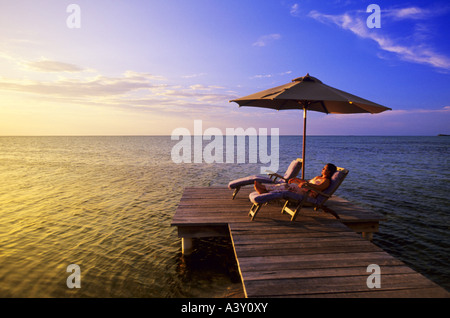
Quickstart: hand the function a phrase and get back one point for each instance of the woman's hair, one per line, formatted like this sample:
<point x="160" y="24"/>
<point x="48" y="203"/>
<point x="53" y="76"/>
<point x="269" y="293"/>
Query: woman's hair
<point x="332" y="168"/>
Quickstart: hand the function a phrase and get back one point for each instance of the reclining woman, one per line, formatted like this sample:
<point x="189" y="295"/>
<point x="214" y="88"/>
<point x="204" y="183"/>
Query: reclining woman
<point x="300" y="186"/>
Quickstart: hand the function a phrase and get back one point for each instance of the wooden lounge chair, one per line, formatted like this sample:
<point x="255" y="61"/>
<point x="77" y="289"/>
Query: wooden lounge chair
<point x="272" y="177"/>
<point x="295" y="202"/>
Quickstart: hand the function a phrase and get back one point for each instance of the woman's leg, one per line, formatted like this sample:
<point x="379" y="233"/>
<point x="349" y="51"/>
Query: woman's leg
<point x="260" y="188"/>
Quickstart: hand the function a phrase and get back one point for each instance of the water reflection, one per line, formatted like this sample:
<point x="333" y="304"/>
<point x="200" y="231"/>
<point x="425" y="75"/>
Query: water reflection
<point x="211" y="269"/>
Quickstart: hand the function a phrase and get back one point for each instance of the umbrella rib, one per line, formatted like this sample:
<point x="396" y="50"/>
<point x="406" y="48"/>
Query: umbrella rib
<point x="324" y="107"/>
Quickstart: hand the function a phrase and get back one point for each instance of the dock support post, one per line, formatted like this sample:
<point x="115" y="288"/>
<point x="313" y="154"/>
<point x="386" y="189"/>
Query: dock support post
<point x="367" y="235"/>
<point x="186" y="245"/>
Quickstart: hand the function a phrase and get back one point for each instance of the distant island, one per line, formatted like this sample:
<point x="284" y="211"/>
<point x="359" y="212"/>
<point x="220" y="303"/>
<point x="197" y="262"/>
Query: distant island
<point x="443" y="135"/>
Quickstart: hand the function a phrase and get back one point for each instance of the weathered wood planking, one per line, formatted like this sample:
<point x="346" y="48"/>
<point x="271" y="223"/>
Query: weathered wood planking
<point x="314" y="264"/>
<point x="316" y="256"/>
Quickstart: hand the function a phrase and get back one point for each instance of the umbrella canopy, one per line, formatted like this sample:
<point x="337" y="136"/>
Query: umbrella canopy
<point x="309" y="93"/>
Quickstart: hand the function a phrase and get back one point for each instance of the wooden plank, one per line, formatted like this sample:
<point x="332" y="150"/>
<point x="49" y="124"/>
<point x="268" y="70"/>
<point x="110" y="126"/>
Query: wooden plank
<point x="339" y="284"/>
<point x="302" y="264"/>
<point x="280" y="250"/>
<point x="279" y="259"/>
<point x="302" y="246"/>
<point x="324" y="272"/>
<point x="427" y="292"/>
<point x="297" y="240"/>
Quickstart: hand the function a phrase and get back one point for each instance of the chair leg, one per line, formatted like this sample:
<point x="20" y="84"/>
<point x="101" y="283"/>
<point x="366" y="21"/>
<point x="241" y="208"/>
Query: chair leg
<point x="285" y="207"/>
<point x="296" y="211"/>
<point x="253" y="210"/>
<point x="288" y="210"/>
<point x="236" y="192"/>
<point x="293" y="213"/>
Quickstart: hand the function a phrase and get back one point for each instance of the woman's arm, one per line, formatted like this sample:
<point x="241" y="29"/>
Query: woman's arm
<point x="297" y="181"/>
<point x="320" y="186"/>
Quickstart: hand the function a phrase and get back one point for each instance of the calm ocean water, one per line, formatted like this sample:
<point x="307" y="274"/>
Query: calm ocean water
<point x="106" y="204"/>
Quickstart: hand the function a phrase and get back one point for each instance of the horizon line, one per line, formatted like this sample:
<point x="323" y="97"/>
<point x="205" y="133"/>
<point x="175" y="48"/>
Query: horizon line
<point x="284" y="135"/>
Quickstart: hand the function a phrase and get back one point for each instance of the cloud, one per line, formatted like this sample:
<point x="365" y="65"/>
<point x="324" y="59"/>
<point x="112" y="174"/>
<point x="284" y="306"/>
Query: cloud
<point x="401" y="112"/>
<point x="286" y="73"/>
<point x="43" y="65"/>
<point x="199" y="94"/>
<point x="258" y="76"/>
<point x="261" y="76"/>
<point x="204" y="87"/>
<point x="88" y="87"/>
<point x="295" y="10"/>
<point x="194" y="75"/>
<point x="130" y="90"/>
<point x="409" y="13"/>
<point x="411" y="52"/>
<point x="266" y="39"/>
<point x="53" y="66"/>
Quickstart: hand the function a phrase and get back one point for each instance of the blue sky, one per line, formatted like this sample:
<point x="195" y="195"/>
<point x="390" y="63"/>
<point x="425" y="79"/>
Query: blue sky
<point x="148" y="67"/>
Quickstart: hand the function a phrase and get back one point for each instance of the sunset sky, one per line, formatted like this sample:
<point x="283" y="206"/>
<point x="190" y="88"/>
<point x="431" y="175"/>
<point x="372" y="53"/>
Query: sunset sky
<point x="147" y="67"/>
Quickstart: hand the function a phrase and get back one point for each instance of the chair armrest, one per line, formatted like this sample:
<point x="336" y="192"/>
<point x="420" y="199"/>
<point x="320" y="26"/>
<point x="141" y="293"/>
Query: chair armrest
<point x="274" y="174"/>
<point x="306" y="186"/>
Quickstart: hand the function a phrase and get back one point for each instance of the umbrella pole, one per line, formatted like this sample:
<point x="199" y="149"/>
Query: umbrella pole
<point x="304" y="139"/>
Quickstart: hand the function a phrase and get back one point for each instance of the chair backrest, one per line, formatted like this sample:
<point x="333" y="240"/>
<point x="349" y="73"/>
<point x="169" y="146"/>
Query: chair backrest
<point x="293" y="169"/>
<point x="336" y="180"/>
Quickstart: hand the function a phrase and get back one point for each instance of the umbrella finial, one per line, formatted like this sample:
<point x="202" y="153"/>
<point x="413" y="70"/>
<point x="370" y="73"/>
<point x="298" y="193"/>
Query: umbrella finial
<point x="308" y="78"/>
<point x="305" y="78"/>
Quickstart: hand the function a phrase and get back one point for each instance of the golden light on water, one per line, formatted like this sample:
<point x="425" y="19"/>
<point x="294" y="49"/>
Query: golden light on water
<point x="103" y="203"/>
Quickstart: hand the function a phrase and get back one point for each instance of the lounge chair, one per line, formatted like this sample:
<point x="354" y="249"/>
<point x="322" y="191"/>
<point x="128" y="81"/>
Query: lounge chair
<point x="295" y="202"/>
<point x="272" y="177"/>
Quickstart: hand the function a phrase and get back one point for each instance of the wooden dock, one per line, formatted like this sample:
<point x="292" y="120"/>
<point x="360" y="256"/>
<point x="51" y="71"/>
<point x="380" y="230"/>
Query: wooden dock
<point x="315" y="256"/>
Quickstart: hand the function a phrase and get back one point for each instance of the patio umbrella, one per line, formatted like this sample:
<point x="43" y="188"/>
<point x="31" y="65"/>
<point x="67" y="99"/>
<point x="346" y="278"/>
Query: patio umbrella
<point x="309" y="93"/>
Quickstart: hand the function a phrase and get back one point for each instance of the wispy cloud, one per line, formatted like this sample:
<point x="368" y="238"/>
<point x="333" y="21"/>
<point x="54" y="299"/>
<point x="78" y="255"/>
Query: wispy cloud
<point x="443" y="110"/>
<point x="416" y="52"/>
<point x="199" y="94"/>
<point x="266" y="39"/>
<point x="194" y="75"/>
<point x="42" y="65"/>
<point x="88" y="87"/>
<point x="52" y="66"/>
<point x="414" y="13"/>
<point x="399" y="112"/>
<point x="259" y="76"/>
<point x="295" y="10"/>
<point x="130" y="90"/>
